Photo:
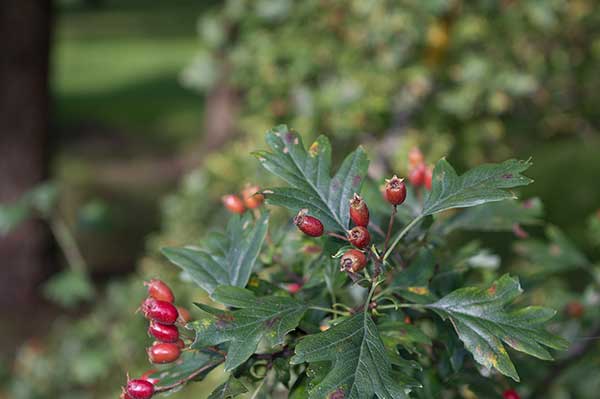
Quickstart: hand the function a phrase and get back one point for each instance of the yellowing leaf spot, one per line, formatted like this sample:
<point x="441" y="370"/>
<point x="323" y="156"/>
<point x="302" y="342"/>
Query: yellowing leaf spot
<point x="418" y="290"/>
<point x="205" y="323"/>
<point x="314" y="149"/>
<point x="492" y="359"/>
<point x="254" y="282"/>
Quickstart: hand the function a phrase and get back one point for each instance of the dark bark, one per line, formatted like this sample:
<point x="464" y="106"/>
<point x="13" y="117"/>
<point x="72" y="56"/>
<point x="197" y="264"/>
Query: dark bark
<point x="24" y="129"/>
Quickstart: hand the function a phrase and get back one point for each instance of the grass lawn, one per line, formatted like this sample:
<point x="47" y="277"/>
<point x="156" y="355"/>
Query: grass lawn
<point x="119" y="65"/>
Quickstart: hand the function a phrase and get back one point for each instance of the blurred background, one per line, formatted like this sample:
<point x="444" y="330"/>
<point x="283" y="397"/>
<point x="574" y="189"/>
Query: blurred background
<point x="123" y="122"/>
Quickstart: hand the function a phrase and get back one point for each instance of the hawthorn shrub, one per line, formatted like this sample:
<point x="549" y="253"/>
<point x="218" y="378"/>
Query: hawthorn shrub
<point x="362" y="295"/>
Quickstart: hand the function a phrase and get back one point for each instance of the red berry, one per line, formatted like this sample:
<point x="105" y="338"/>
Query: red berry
<point x="163" y="332"/>
<point x="180" y="343"/>
<point x="359" y="212"/>
<point x="574" y="310"/>
<point x="428" y="177"/>
<point x="184" y="315"/>
<point x="160" y="311"/>
<point x="511" y="394"/>
<point x="147" y="374"/>
<point x="233" y="203"/>
<point x="161" y="352"/>
<point x="139" y="389"/>
<point x="353" y="260"/>
<point x="252" y="198"/>
<point x="415" y="157"/>
<point x="359" y="237"/>
<point x="293" y="288"/>
<point x="308" y="225"/>
<point x="158" y="290"/>
<point x="395" y="190"/>
<point x="416" y="175"/>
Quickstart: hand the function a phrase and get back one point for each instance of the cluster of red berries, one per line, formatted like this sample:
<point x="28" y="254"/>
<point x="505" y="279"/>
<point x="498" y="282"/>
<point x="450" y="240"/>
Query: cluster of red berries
<point x="419" y="174"/>
<point x="163" y="316"/>
<point x="250" y="198"/>
<point x="355" y="259"/>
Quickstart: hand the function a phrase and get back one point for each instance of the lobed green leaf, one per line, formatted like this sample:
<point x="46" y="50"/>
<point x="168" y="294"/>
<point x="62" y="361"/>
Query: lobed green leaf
<point x="308" y="174"/>
<point x="483" y="323"/>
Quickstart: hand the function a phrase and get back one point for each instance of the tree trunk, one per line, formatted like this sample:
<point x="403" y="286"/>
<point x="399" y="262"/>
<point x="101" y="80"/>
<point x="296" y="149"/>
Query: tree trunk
<point x="24" y="130"/>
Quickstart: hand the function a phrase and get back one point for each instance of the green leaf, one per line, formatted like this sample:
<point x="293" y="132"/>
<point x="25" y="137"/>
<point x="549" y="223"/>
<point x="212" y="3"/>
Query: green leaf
<point x="307" y="172"/>
<point x="229" y="259"/>
<point x="413" y="282"/>
<point x="394" y="333"/>
<point x="360" y="366"/>
<point x="496" y="216"/>
<point x="195" y="364"/>
<point x="485" y="183"/>
<point x="229" y="389"/>
<point x="559" y="255"/>
<point x="269" y="318"/>
<point x="480" y="318"/>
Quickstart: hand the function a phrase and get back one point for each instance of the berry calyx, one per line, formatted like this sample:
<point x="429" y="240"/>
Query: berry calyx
<point x="160" y="311"/>
<point x="353" y="261"/>
<point x="428" y="177"/>
<point x="147" y="374"/>
<point x="233" y="203"/>
<point x="359" y="212"/>
<point x="415" y="157"/>
<point x="416" y="176"/>
<point x="160" y="353"/>
<point x="159" y="290"/>
<point x="139" y="389"/>
<point x="184" y="315"/>
<point x="510" y="394"/>
<point x="163" y="332"/>
<point x="252" y="197"/>
<point x="395" y="190"/>
<point x="359" y="237"/>
<point x="309" y="225"/>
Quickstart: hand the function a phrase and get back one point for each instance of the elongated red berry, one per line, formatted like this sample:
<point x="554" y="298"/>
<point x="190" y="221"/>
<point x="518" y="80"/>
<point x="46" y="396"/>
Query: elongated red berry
<point x="309" y="225"/>
<point x="574" y="309"/>
<point x="395" y="190"/>
<point x="180" y="344"/>
<point x="184" y="315"/>
<point x="233" y="203"/>
<point x="163" y="332"/>
<point x="353" y="260"/>
<point x="511" y="394"/>
<point x="415" y="157"/>
<point x="359" y="237"/>
<point x="160" y="353"/>
<point x="359" y="212"/>
<point x="428" y="177"/>
<point x="416" y="176"/>
<point x="159" y="290"/>
<point x="252" y="198"/>
<point x="139" y="389"/>
<point x="147" y="374"/>
<point x="160" y="311"/>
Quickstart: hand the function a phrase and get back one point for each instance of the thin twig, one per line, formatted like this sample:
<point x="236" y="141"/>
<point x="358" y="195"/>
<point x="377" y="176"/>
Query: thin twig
<point x="328" y="310"/>
<point x="389" y="230"/>
<point x="341" y="237"/>
<point x="399" y="237"/>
